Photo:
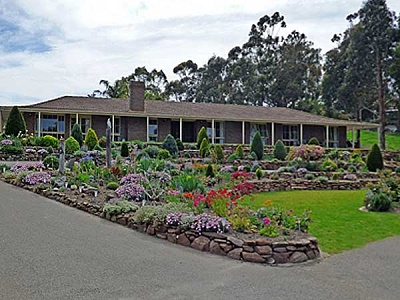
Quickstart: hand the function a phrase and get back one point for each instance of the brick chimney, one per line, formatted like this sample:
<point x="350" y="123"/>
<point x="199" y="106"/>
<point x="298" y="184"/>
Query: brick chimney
<point x="136" y="95"/>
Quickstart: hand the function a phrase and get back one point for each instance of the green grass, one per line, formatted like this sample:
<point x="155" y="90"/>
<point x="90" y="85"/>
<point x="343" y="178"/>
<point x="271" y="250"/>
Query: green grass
<point x="337" y="222"/>
<point x="368" y="138"/>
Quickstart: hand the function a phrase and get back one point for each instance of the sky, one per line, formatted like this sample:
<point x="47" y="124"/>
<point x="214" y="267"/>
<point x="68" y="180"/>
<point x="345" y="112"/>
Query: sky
<point x="51" y="48"/>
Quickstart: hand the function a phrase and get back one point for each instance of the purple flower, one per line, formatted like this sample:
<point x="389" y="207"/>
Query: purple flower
<point x="37" y="178"/>
<point x="6" y="142"/>
<point x="30" y="151"/>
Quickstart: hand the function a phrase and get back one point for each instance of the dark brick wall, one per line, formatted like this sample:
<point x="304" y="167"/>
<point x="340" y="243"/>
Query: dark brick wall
<point x="136" y="97"/>
<point x="135" y="128"/>
<point x="233" y="132"/>
<point x="30" y="121"/>
<point x="164" y="128"/>
<point x="197" y="126"/>
<point x="99" y="124"/>
<point x="278" y="131"/>
<point x="342" y="136"/>
<point x="317" y="131"/>
<point x="67" y="126"/>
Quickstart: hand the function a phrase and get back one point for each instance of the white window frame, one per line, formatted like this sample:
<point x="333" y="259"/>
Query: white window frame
<point x="59" y="133"/>
<point x="218" y="139"/>
<point x="254" y="127"/>
<point x="80" y="118"/>
<point x="294" y="135"/>
<point x="153" y="137"/>
<point x="333" y="137"/>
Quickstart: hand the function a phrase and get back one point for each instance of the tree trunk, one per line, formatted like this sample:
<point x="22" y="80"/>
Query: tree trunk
<point x="381" y="103"/>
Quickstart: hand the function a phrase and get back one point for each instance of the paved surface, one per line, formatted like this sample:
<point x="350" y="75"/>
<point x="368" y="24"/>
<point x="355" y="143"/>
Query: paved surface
<point x="51" y="251"/>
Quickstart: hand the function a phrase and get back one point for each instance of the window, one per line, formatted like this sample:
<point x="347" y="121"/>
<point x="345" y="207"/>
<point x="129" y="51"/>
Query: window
<point x="333" y="137"/>
<point x="153" y="130"/>
<point x="262" y="129"/>
<point x="219" y="132"/>
<point x="84" y="121"/>
<point x="117" y="128"/>
<point x="53" y="125"/>
<point x="290" y="135"/>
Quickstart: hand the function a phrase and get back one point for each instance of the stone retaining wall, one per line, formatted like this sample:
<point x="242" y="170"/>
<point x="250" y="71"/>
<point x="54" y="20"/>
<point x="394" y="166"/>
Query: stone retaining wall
<point x="260" y="250"/>
<point x="288" y="185"/>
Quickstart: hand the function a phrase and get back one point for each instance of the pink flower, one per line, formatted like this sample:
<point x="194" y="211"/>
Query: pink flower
<point x="267" y="221"/>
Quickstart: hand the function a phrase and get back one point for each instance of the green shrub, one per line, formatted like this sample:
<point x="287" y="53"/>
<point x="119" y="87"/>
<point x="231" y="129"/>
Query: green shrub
<point x="329" y="165"/>
<point x="259" y="173"/>
<point x="313" y="141"/>
<point x="233" y="157"/>
<point x="98" y="148"/>
<point x="76" y="133"/>
<point x="257" y="145"/>
<point x="219" y="153"/>
<point x="201" y="136"/>
<point x="397" y="170"/>
<point x="50" y="141"/>
<point x="112" y="185"/>
<point x="322" y="179"/>
<point x="51" y="162"/>
<point x="103" y="142"/>
<point x="71" y="145"/>
<point x="374" y="159"/>
<point x="309" y="176"/>
<point x="11" y="149"/>
<point x="170" y="145"/>
<point x="120" y="207"/>
<point x="15" y="123"/>
<point x="239" y="151"/>
<point x="280" y="150"/>
<point x="139" y="144"/>
<point x="152" y="151"/>
<point x="252" y="156"/>
<point x="179" y="144"/>
<point x="379" y="201"/>
<point x="156" y="215"/>
<point x="210" y="171"/>
<point x="124" y="149"/>
<point x="204" y="148"/>
<point x="91" y="139"/>
<point x="164" y="154"/>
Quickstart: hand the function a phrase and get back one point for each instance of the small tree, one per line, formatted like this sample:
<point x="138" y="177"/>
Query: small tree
<point x="257" y="145"/>
<point x="124" y="149"/>
<point x="169" y="144"/>
<point x="210" y="171"/>
<point x="91" y="139"/>
<point x="239" y="151"/>
<point x="15" y="122"/>
<point x="71" y="145"/>
<point x="219" y="153"/>
<point x="204" y="148"/>
<point x="76" y="132"/>
<point x="179" y="144"/>
<point x="374" y="159"/>
<point x="280" y="150"/>
<point x="201" y="135"/>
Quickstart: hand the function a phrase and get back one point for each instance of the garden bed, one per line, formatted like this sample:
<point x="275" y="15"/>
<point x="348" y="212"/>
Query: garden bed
<point x="297" y="248"/>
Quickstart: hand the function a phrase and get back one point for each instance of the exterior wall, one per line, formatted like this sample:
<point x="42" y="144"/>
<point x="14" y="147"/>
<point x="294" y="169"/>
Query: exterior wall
<point x="68" y="126"/>
<point x="197" y="126"/>
<point x="30" y="121"/>
<point x="233" y="132"/>
<point x="317" y="131"/>
<point x="99" y="124"/>
<point x="135" y="128"/>
<point x="164" y="128"/>
<point x="342" y="132"/>
<point x="278" y="131"/>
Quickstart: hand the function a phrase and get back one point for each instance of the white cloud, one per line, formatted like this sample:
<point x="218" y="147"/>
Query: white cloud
<point x="92" y="40"/>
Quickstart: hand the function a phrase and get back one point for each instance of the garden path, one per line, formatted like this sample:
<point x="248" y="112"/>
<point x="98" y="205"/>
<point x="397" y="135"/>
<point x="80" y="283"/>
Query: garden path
<point x="51" y="251"/>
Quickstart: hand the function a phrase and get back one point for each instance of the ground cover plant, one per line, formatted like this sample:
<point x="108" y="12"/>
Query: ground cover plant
<point x="338" y="223"/>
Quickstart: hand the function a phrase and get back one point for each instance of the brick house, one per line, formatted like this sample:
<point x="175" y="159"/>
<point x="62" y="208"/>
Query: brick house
<point x="139" y="119"/>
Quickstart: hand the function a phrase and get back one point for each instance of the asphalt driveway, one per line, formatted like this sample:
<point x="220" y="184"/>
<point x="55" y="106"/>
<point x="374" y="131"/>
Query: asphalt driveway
<point x="51" y="251"/>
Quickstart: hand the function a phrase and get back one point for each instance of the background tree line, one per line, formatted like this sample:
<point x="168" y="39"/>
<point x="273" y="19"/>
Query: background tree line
<point x="360" y="73"/>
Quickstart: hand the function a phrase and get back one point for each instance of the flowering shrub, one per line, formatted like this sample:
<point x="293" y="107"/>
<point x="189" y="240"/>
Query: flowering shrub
<point x="24" y="167"/>
<point x="306" y="152"/>
<point x="132" y="179"/>
<point x="352" y="177"/>
<point x="6" y="142"/>
<point x="240" y="175"/>
<point x="30" y="151"/>
<point x="37" y="178"/>
<point x="226" y="169"/>
<point x="130" y="192"/>
<point x="178" y="219"/>
<point x="42" y="152"/>
<point x="209" y="223"/>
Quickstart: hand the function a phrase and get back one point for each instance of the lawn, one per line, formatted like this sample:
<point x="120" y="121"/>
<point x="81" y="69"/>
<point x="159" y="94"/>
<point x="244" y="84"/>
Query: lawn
<point x="368" y="138"/>
<point x="338" y="224"/>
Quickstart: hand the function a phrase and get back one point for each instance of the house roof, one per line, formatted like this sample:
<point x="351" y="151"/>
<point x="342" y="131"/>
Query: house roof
<point x="188" y="110"/>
